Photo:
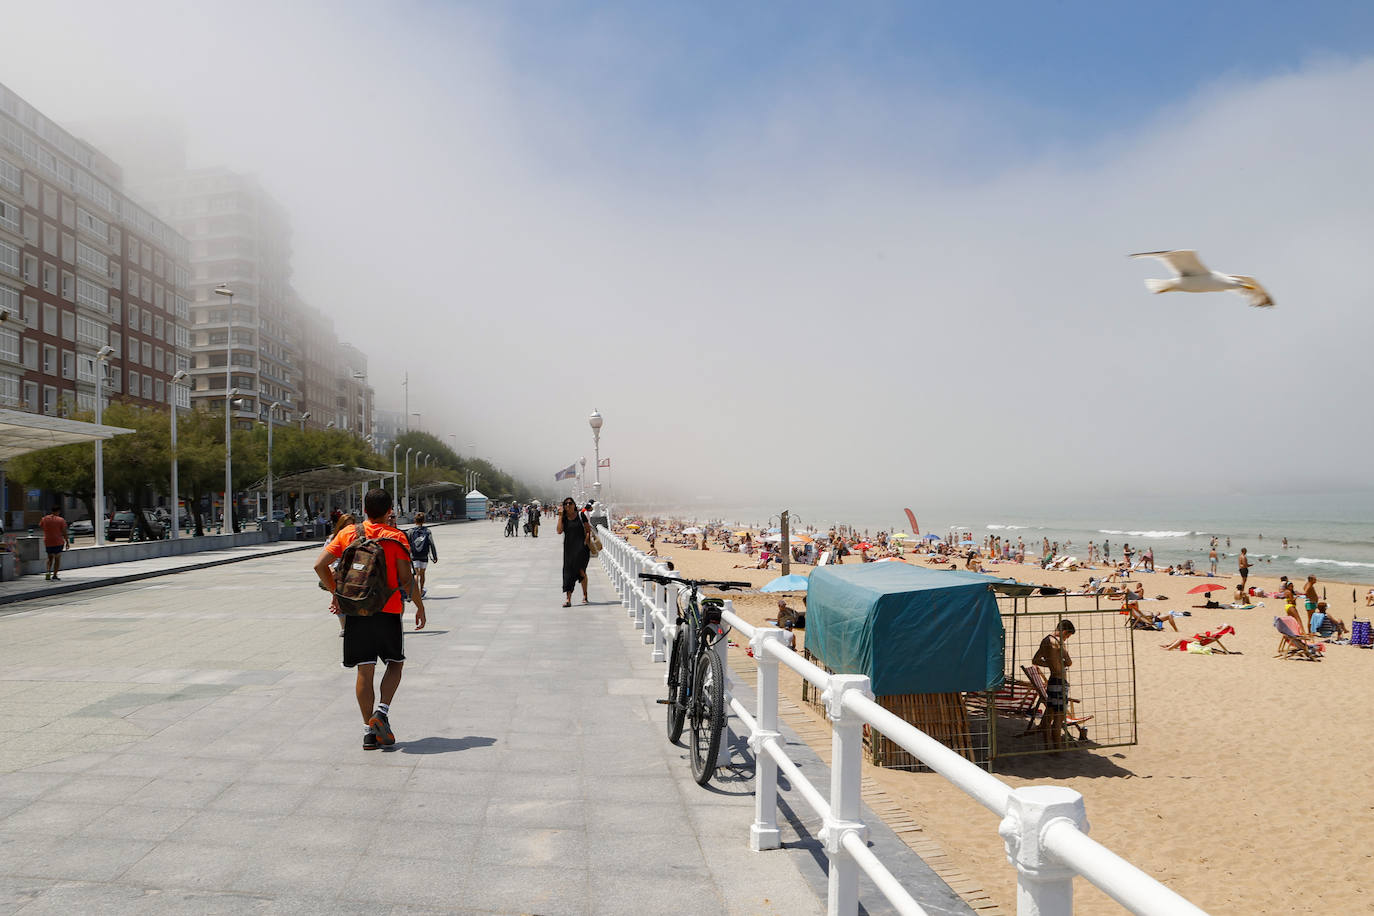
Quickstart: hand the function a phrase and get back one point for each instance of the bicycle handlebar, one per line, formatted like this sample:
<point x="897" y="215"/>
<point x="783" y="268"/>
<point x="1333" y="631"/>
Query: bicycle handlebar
<point x="695" y="583"/>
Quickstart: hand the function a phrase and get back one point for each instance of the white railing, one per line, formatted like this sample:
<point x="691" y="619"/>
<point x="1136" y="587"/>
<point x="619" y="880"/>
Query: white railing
<point x="1044" y="828"/>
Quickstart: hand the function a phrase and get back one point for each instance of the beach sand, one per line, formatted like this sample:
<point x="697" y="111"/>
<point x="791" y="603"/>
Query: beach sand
<point x="1248" y="789"/>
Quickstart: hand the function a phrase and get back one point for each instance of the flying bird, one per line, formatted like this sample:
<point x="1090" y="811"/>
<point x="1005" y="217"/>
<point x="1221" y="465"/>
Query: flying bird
<point x="1192" y="276"/>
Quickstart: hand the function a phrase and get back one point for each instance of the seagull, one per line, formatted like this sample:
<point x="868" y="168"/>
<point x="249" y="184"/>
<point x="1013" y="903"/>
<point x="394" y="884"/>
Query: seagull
<point x="1192" y="276"/>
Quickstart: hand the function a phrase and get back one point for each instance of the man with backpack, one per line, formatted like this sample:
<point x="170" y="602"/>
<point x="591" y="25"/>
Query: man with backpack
<point x="374" y="565"/>
<point x="421" y="550"/>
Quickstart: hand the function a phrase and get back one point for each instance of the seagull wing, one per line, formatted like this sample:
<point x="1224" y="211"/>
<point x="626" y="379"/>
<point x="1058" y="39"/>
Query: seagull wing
<point x="1184" y="261"/>
<point x="1255" y="294"/>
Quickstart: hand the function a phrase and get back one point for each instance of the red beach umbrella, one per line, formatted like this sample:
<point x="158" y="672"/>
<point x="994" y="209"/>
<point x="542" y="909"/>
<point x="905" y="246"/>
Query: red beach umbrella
<point x="1209" y="587"/>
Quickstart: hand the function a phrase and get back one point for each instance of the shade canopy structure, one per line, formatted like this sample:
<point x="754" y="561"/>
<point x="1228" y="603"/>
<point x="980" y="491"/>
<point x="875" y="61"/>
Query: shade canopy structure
<point x="324" y="479"/>
<point x="21" y="433"/>
<point x="434" y="486"/>
<point x="908" y="628"/>
<point x="476" y="505"/>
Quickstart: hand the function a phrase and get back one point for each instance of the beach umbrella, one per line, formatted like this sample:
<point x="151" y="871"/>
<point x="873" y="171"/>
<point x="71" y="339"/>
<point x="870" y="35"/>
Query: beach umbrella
<point x="930" y="537"/>
<point x="740" y="534"/>
<point x="1209" y="587"/>
<point x="891" y="560"/>
<point x="902" y="535"/>
<point x="787" y="584"/>
<point x="693" y="530"/>
<point x="632" y="527"/>
<point x="863" y="545"/>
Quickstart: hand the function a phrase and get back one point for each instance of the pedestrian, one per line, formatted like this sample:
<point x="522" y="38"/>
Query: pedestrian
<point x="533" y="518"/>
<point x="513" y="521"/>
<point x="422" y="550"/>
<point x="1053" y="656"/>
<point x="1243" y="564"/>
<point x="1212" y="556"/>
<point x="577" y="549"/>
<point x="54" y="541"/>
<point x="1310" y="593"/>
<point x="375" y="636"/>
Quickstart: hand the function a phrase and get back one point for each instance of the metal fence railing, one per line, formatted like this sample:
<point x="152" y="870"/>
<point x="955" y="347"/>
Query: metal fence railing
<point x="1044" y="828"/>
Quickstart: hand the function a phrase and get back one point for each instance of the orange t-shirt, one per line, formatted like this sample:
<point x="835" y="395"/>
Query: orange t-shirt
<point x="395" y="545"/>
<point x="54" y="530"/>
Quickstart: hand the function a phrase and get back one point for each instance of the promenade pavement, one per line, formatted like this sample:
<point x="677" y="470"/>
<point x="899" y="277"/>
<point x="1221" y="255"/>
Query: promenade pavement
<point x="189" y="743"/>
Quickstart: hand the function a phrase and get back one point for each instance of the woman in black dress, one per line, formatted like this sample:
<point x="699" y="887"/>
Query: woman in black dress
<point x="576" y="549"/>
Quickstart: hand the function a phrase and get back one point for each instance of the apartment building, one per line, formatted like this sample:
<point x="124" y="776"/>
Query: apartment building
<point x="242" y="325"/>
<point x="279" y="349"/>
<point x="82" y="267"/>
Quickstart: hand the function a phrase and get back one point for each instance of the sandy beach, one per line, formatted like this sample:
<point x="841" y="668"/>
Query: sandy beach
<point x="1247" y="791"/>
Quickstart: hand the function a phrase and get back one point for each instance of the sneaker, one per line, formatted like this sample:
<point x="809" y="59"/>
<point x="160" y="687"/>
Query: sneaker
<point x="54" y="578"/>
<point x="424" y="593"/>
<point x="381" y="728"/>
<point x="47" y="576"/>
<point x="370" y="742"/>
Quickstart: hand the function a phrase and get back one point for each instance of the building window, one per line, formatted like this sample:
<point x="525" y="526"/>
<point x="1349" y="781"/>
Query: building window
<point x="68" y="286"/>
<point x="9" y="345"/>
<point x="159" y="391"/>
<point x="133" y="383"/>
<point x="49" y="278"/>
<point x="50" y="400"/>
<point x="132" y="285"/>
<point x="9" y="217"/>
<point x="49" y="360"/>
<point x="133" y="316"/>
<point x="90" y="331"/>
<point x="147" y="321"/>
<point x="86" y="221"/>
<point x="31" y="355"/>
<point x="68" y="248"/>
<point x="9" y="300"/>
<point x="68" y="364"/>
<point x="158" y="362"/>
<point x="9" y="389"/>
<point x="68" y="326"/>
<point x="9" y="259"/>
<point x="30" y="270"/>
<point x="116" y="342"/>
<point x="31" y="229"/>
<point x="147" y="387"/>
<point x="147" y="354"/>
<point x="85" y="367"/>
<point x="116" y="310"/>
<point x="157" y="327"/>
<point x="93" y="258"/>
<point x="116" y="379"/>
<point x="50" y="239"/>
<point x="31" y="397"/>
<point x="10" y="177"/>
<point x="92" y="295"/>
<point x="31" y="312"/>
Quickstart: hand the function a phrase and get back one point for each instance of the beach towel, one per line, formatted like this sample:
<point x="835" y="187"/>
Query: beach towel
<point x="1360" y="634"/>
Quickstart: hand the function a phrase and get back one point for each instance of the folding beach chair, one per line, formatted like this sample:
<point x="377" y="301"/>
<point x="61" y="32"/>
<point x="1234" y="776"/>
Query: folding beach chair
<point x="1042" y="707"/>
<point x="1292" y="645"/>
<point x="1360" y="633"/>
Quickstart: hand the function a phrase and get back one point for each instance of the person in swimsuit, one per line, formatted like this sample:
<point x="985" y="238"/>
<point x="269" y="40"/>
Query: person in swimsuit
<point x="1053" y="656"/>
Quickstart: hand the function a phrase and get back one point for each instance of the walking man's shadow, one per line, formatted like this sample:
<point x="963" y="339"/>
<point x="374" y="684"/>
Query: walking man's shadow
<point x="436" y="745"/>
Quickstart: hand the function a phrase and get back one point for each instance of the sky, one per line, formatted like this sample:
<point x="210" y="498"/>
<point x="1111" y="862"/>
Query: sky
<point x="874" y="251"/>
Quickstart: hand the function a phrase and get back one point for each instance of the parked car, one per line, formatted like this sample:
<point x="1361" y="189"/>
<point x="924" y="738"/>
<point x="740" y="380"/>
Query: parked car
<point x="121" y="525"/>
<point x="81" y="526"/>
<point x="277" y="515"/>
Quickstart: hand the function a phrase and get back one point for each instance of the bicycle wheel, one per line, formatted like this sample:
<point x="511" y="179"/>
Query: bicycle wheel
<point x="678" y="676"/>
<point x="707" y="715"/>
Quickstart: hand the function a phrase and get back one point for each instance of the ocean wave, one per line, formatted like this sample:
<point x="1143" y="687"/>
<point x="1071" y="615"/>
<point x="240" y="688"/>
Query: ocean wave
<point x="1006" y="527"/>
<point x="1308" y="561"/>
<point x="1145" y="534"/>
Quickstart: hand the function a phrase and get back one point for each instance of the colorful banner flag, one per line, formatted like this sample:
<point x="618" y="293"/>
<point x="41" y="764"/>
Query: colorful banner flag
<point x="605" y="463"/>
<point x="569" y="471"/>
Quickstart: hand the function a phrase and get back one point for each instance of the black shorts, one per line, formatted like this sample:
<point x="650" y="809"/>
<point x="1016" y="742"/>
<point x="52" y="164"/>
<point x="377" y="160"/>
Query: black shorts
<point x="367" y="639"/>
<point x="54" y="551"/>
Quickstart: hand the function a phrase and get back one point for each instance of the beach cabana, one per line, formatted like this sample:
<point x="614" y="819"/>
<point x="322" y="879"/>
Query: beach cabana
<point x="924" y="637"/>
<point x="476" y="505"/>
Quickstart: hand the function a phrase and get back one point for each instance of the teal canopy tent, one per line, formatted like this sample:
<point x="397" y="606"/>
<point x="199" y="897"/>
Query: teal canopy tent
<point x="910" y="629"/>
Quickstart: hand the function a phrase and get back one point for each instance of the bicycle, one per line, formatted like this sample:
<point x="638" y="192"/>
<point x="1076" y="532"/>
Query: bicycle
<point x="696" y="677"/>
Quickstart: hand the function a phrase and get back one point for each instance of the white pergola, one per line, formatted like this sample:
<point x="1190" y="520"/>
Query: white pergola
<point x="21" y="433"/>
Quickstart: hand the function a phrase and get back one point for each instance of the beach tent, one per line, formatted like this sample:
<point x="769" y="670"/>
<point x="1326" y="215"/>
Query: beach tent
<point x="476" y="505"/>
<point x="909" y="628"/>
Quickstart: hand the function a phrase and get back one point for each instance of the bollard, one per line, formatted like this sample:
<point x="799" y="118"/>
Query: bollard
<point x="1043" y="886"/>
<point x="764" y="834"/>
<point x="846" y="762"/>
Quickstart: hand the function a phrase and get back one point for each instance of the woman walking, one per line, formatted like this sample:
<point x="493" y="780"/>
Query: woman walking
<point x="576" y="549"/>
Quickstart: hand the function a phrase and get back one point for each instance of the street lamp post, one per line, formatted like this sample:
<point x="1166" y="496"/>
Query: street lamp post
<point x="582" y="479"/>
<point x="419" y="421"/>
<point x="594" y="421"/>
<point x="405" y="507"/>
<point x="393" y="470"/>
<point x="271" y="411"/>
<point x="100" y="357"/>
<point x="177" y="379"/>
<point x="223" y="290"/>
<point x="303" y="417"/>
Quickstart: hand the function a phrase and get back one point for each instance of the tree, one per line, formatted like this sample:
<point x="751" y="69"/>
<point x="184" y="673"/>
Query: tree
<point x="139" y="462"/>
<point x="68" y="470"/>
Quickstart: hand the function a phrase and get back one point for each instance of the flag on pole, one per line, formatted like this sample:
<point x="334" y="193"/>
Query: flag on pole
<point x="569" y="471"/>
<point x="605" y="463"/>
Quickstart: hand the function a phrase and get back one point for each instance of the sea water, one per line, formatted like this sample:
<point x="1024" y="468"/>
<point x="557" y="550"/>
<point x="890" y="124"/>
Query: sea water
<point x="1336" y="546"/>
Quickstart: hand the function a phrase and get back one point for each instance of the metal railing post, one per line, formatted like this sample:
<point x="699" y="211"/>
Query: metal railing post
<point x="636" y="567"/>
<point x="763" y="834"/>
<point x="627" y="595"/>
<point x="722" y="648"/>
<point x="672" y="622"/>
<point x="647" y="588"/>
<point x="1043" y="886"/>
<point x="660" y="601"/>
<point x="846" y="762"/>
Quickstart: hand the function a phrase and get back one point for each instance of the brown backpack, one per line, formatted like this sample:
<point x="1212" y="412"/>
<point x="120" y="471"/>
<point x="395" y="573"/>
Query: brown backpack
<point x="361" y="587"/>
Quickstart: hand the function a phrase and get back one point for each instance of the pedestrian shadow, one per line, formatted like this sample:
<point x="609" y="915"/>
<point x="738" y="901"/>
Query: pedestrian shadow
<point x="436" y="745"/>
<point x="425" y="632"/>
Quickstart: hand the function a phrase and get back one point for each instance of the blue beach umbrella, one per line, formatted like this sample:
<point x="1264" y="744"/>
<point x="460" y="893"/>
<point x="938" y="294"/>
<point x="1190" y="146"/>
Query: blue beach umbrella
<point x="930" y="537"/>
<point x="787" y="584"/>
